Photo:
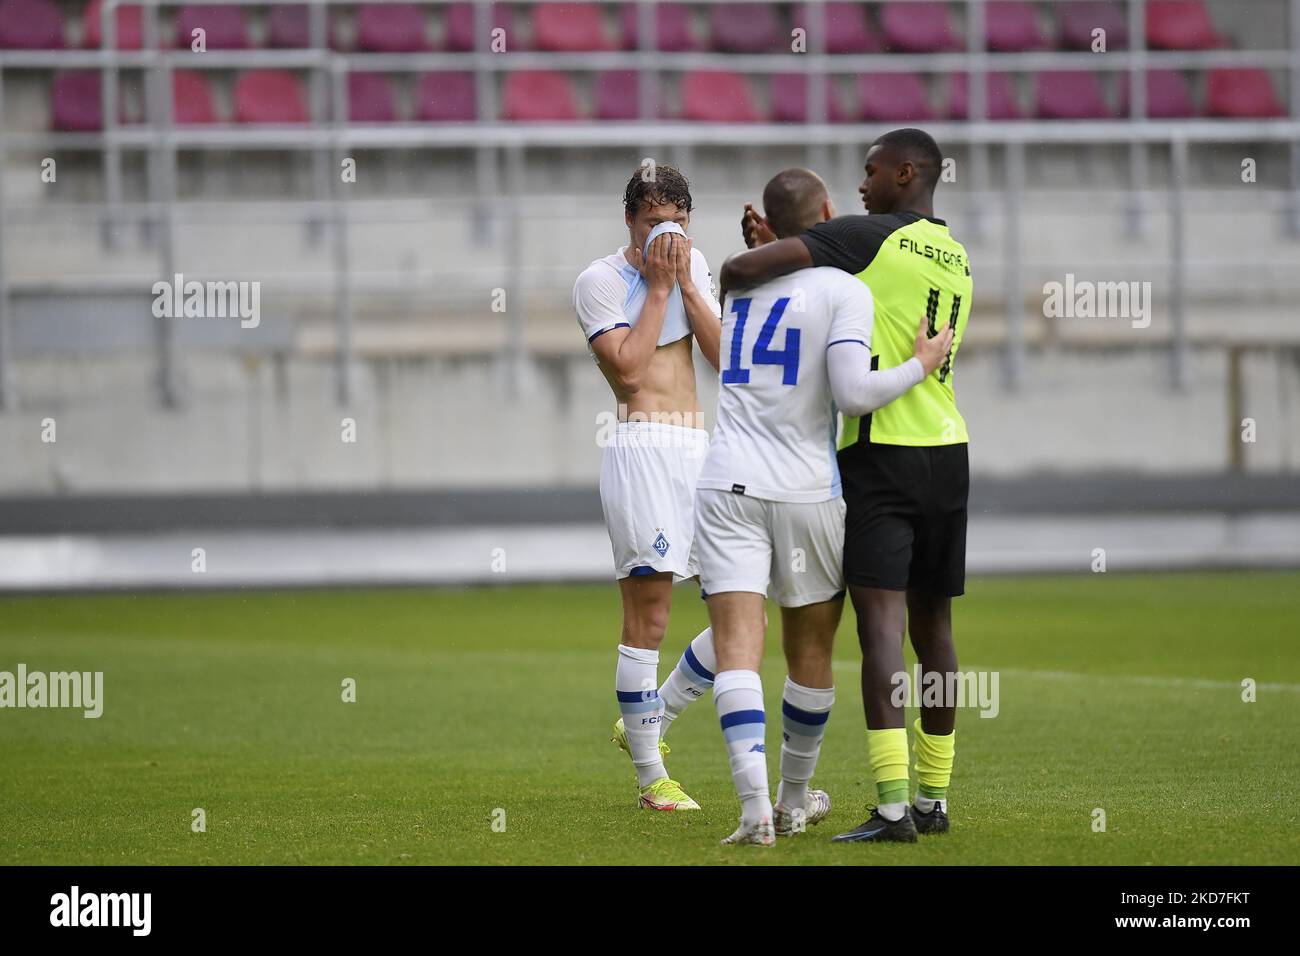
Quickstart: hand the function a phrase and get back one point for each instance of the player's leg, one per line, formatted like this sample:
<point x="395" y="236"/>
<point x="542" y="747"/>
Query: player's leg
<point x="808" y="583"/>
<point x="647" y="600"/>
<point x="930" y="626"/>
<point x="690" y="680"/>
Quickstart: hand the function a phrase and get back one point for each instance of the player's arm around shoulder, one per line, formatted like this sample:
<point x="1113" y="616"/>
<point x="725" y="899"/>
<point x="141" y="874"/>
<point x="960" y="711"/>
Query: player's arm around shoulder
<point x="702" y="308"/>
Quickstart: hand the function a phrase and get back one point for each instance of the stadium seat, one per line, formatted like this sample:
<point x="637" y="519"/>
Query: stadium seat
<point x="848" y="30"/>
<point x="288" y="27"/>
<point x="75" y="105"/>
<point x="1078" y="18"/>
<point x="999" y="99"/>
<point x="1241" y="93"/>
<point x="538" y="95"/>
<point x="672" y="29"/>
<point x="128" y="26"/>
<point x="370" y="99"/>
<point x="747" y="28"/>
<point x="269" y="96"/>
<point x="569" y="27"/>
<point x="716" y="96"/>
<point x="30" y="25"/>
<point x="1180" y="25"/>
<point x="390" y="28"/>
<point x="192" y="98"/>
<point x="223" y="26"/>
<point x="789" y="96"/>
<point x="458" y="26"/>
<point x="1011" y="26"/>
<point x="918" y="28"/>
<point x="1070" y="94"/>
<point x="893" y="97"/>
<point x="1169" y="95"/>
<point x="446" y="98"/>
<point x="618" y="96"/>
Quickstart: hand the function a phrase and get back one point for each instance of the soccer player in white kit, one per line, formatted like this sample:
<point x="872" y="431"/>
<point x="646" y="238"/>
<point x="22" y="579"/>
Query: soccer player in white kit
<point x="640" y="308"/>
<point x="769" y="513"/>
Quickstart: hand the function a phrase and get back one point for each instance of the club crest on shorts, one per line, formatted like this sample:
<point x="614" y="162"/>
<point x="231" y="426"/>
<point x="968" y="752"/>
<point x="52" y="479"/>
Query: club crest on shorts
<point x="661" y="545"/>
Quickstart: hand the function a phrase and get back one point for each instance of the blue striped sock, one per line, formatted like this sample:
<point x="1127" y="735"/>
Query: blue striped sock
<point x="635" y="683"/>
<point x="690" y="679"/>
<point x="738" y="696"/>
<point x="804" y="712"/>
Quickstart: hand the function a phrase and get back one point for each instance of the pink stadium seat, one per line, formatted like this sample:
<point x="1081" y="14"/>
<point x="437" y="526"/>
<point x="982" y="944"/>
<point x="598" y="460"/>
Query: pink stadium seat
<point x="716" y="96"/>
<point x="1011" y="26"/>
<point x="893" y="97"/>
<point x="1180" y="25"/>
<point x="618" y="96"/>
<point x="538" y="95"/>
<point x="1070" y="94"/>
<point x="370" y="99"/>
<point x="446" y="98"/>
<point x="390" y="28"/>
<point x="192" y="98"/>
<point x="848" y="30"/>
<point x="128" y="26"/>
<point x="1169" y="95"/>
<point x="1241" y="93"/>
<point x="569" y="27"/>
<point x="1000" y="98"/>
<point x="223" y="26"/>
<point x="918" y="28"/>
<point x="75" y="106"/>
<point x="269" y="96"/>
<point x="288" y="27"/>
<point x="459" y="27"/>
<point x="672" y="29"/>
<point x="747" y="28"/>
<point x="790" y="99"/>
<point x="1079" y="18"/>
<point x="30" y="25"/>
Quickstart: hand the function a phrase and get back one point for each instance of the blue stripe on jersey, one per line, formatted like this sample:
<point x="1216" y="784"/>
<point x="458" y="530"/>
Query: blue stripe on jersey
<point x="617" y="325"/>
<point x="842" y="341"/>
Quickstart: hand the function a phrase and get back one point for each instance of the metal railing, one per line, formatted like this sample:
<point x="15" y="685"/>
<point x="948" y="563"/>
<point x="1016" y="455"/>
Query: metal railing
<point x="499" y="147"/>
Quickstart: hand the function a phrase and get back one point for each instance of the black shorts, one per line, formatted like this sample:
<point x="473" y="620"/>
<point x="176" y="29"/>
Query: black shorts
<point x="905" y="523"/>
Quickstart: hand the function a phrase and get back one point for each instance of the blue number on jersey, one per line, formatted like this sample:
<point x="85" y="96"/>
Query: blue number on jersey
<point x="787" y="358"/>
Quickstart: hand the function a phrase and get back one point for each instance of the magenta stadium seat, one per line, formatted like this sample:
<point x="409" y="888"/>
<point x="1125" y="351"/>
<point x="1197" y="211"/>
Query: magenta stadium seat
<point x="569" y="27"/>
<point x="370" y="99"/>
<point x="1241" y="93"/>
<point x="269" y="96"/>
<point x="747" y="28"/>
<point x="918" y="28"/>
<point x="1079" y="18"/>
<point x="30" y="25"/>
<point x="848" y="30"/>
<point x="128" y="27"/>
<point x="459" y="27"/>
<point x="192" y="98"/>
<point x="789" y="95"/>
<point x="75" y="106"/>
<point x="1180" y="25"/>
<point x="893" y="97"/>
<point x="1169" y="95"/>
<point x="999" y="99"/>
<point x="1070" y="94"/>
<point x="1011" y="26"/>
<point x="391" y="28"/>
<point x="716" y="96"/>
<point x="288" y="27"/>
<point x="672" y="29"/>
<point x="223" y="25"/>
<point x="446" y="98"/>
<point x="538" y="95"/>
<point x="618" y="96"/>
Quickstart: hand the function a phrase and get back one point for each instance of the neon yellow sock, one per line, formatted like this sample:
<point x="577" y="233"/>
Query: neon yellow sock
<point x="888" y="752"/>
<point x="934" y="754"/>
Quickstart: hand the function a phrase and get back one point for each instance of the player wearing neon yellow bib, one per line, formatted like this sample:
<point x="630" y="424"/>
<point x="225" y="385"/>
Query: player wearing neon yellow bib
<point x="904" y="468"/>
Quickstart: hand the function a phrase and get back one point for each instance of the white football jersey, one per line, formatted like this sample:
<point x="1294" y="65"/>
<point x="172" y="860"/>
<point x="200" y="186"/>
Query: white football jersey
<point x="601" y="292"/>
<point x="775" y="432"/>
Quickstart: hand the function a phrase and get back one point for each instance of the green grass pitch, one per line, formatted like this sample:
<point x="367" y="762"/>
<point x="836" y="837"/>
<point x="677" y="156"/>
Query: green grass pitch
<point x="1119" y="692"/>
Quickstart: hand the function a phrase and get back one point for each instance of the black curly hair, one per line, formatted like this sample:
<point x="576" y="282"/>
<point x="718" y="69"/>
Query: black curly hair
<point x="667" y="186"/>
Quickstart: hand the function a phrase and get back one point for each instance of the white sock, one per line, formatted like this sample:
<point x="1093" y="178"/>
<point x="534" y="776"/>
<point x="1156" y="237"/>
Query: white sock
<point x="635" y="682"/>
<point x="690" y="679"/>
<point x="804" y="711"/>
<point x="925" y="804"/>
<point x="892" y="811"/>
<point x="738" y="695"/>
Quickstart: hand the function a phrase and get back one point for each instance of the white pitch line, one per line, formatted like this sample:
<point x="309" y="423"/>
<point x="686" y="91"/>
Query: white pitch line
<point x="1173" y="682"/>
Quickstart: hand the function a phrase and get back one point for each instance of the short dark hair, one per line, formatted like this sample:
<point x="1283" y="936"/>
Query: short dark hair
<point x="667" y="185"/>
<point x="792" y="201"/>
<point x="918" y="146"/>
